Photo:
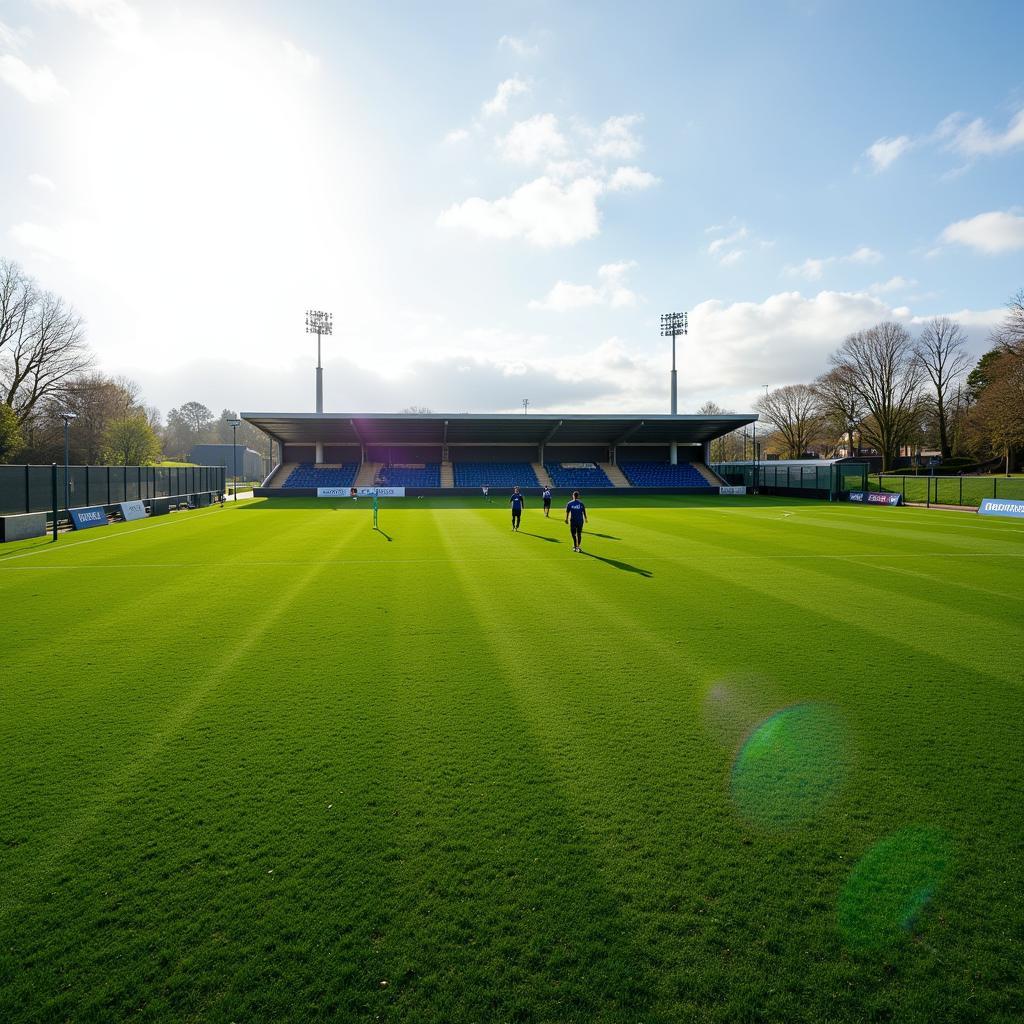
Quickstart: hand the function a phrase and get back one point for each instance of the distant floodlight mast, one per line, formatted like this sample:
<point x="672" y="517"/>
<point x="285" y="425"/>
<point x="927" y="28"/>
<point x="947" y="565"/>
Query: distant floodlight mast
<point x="673" y="324"/>
<point x="234" y="425"/>
<point x="319" y="323"/>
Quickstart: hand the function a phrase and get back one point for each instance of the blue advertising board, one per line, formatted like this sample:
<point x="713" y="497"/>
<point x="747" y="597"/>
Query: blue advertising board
<point x="876" y="498"/>
<point x="1002" y="507"/>
<point x="85" y="518"/>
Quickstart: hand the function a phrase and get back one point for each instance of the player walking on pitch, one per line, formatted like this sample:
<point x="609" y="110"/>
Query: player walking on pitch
<point x="547" y="502"/>
<point x="516" y="501"/>
<point x="576" y="516"/>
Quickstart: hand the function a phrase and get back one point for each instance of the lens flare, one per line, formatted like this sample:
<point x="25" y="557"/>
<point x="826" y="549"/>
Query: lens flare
<point x="790" y="766"/>
<point x="891" y="885"/>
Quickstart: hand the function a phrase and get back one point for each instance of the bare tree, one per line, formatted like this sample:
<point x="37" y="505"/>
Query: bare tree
<point x="840" y="403"/>
<point x="940" y="350"/>
<point x="42" y="343"/>
<point x="883" y="369"/>
<point x="794" y="412"/>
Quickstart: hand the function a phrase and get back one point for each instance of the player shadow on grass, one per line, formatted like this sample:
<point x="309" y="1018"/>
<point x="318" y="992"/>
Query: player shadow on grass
<point x="603" y="536"/>
<point x="377" y="529"/>
<point x="624" y="566"/>
<point x="550" y="540"/>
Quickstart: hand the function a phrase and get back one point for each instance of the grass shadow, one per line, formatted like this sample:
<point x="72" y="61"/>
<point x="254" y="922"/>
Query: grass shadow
<point x="40" y="543"/>
<point x="550" y="540"/>
<point x="624" y="566"/>
<point x="603" y="536"/>
<point x="386" y="536"/>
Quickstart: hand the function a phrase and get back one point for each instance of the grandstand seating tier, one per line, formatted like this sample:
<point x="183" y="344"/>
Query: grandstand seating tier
<point x="428" y="475"/>
<point x="574" y="477"/>
<point x="308" y="475"/>
<point x="495" y="474"/>
<point x="662" y="474"/>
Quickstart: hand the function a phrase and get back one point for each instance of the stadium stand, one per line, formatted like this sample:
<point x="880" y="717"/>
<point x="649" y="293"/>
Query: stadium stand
<point x="662" y="474"/>
<point x="427" y="475"/>
<point x="583" y="475"/>
<point x="496" y="474"/>
<point x="308" y="475"/>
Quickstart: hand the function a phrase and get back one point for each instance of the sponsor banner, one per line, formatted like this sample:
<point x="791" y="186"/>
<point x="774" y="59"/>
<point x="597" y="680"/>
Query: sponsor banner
<point x="133" y="509"/>
<point x="876" y="498"/>
<point x="362" y="492"/>
<point x="732" y="490"/>
<point x="1002" y="507"/>
<point x="84" y="518"/>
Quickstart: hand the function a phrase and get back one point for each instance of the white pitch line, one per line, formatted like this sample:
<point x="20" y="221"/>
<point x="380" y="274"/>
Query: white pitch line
<point x="105" y="536"/>
<point x="383" y="562"/>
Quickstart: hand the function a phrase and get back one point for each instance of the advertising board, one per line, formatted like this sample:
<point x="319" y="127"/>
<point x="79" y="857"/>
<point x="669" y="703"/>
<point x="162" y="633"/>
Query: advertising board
<point x="86" y="518"/>
<point x="876" y="498"/>
<point x="1002" y="507"/>
<point x="133" y="510"/>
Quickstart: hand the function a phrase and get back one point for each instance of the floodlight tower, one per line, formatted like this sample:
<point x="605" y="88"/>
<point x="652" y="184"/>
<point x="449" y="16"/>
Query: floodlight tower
<point x="319" y="323"/>
<point x="673" y="324"/>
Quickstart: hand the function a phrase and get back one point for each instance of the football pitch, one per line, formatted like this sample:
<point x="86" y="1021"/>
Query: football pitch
<point x="739" y="760"/>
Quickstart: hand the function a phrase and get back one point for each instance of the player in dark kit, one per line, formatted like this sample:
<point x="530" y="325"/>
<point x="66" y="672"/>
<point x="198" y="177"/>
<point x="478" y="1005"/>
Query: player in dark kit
<point x="547" y="501"/>
<point x="516" y="501"/>
<point x="576" y="516"/>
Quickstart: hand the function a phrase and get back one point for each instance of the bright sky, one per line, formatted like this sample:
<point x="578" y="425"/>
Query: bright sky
<point x="498" y="201"/>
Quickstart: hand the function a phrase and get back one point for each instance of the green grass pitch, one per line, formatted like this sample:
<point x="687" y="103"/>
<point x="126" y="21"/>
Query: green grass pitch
<point x="741" y="760"/>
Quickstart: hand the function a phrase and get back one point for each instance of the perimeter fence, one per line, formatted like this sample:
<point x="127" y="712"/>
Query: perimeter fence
<point x="815" y="480"/>
<point x="948" y="490"/>
<point x="30" y="488"/>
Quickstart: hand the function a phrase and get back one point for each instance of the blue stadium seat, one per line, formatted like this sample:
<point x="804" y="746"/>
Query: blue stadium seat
<point x="308" y="475"/>
<point x="496" y="474"/>
<point x="574" y="477"/>
<point x="428" y="475"/>
<point x="662" y="474"/>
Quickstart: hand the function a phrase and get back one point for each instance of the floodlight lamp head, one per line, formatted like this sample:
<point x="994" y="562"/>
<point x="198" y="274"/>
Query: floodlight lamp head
<point x="673" y="324"/>
<point x="234" y="423"/>
<point x="67" y="417"/>
<point x="319" y="322"/>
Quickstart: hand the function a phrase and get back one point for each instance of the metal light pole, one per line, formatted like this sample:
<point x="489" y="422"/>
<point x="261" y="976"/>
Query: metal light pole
<point x="235" y="424"/>
<point x="67" y="417"/>
<point x="526" y="406"/>
<point x="673" y="324"/>
<point x="319" y="323"/>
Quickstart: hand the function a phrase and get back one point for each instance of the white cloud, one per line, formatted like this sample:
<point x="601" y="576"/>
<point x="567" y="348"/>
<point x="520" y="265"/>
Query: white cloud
<point x="616" y="138"/>
<point x="611" y="290"/>
<point x="13" y="38"/>
<point x="456" y="135"/>
<point x="810" y="268"/>
<point x="301" y="61"/>
<point x="520" y="47"/>
<point x="630" y="179"/>
<point x="813" y="269"/>
<point x="894" y="284"/>
<point x="532" y="140"/>
<point x="885" y="152"/>
<point x="41" y="181"/>
<point x="115" y="17"/>
<point x="864" y="254"/>
<point x="506" y="91"/>
<point x="542" y="211"/>
<point x="974" y="138"/>
<point x="37" y="85"/>
<point x="724" y="249"/>
<point x="995" y="232"/>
